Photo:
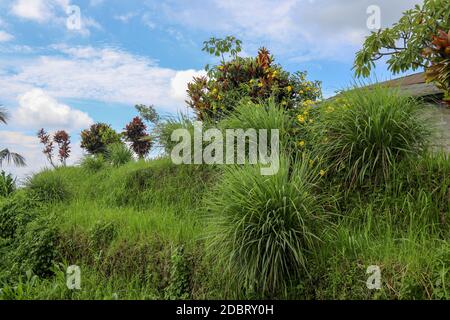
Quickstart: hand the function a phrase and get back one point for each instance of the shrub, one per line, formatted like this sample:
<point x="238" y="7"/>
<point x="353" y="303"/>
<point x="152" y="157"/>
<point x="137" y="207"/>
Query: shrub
<point x="7" y="184"/>
<point x="96" y="139"/>
<point x="15" y="213"/>
<point x="264" y="228"/>
<point x="118" y="154"/>
<point x="136" y="133"/>
<point x="178" y="287"/>
<point x="363" y="133"/>
<point x="165" y="129"/>
<point x="49" y="186"/>
<point x="217" y="95"/>
<point x="37" y="247"/>
<point x="93" y="163"/>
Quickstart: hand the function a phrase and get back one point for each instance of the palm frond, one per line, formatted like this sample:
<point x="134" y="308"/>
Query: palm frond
<point x="8" y="157"/>
<point x="3" y="115"/>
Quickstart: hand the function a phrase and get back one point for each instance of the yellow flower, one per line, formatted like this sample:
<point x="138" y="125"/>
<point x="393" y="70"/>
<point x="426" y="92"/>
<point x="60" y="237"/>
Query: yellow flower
<point x="219" y="97"/>
<point x="301" y="119"/>
<point x="322" y="173"/>
<point x="311" y="163"/>
<point x="301" y="144"/>
<point x="311" y="121"/>
<point x="301" y="91"/>
<point x="220" y="67"/>
<point x="260" y="84"/>
<point x="274" y="74"/>
<point x="289" y="88"/>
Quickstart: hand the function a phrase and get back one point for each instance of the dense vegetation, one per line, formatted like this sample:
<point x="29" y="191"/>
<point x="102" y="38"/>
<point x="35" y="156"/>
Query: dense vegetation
<point x="359" y="185"/>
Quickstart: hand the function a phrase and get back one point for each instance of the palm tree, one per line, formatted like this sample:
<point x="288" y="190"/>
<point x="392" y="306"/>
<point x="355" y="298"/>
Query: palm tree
<point x="5" y="154"/>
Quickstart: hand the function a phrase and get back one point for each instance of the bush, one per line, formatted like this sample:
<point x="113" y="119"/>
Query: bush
<point x="264" y="228"/>
<point x="48" y="186"/>
<point x="257" y="78"/>
<point x="93" y="164"/>
<point x="118" y="154"/>
<point x="37" y="247"/>
<point x="7" y="184"/>
<point x="15" y="213"/>
<point x="96" y="139"/>
<point x="364" y="132"/>
<point x="165" y="129"/>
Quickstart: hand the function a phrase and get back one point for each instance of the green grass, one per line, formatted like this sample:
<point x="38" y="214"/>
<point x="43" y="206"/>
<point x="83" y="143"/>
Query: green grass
<point x="154" y="230"/>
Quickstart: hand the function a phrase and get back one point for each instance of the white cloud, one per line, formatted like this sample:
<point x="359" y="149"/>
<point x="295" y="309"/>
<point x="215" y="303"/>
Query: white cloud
<point x="55" y="11"/>
<point x="39" y="110"/>
<point x="37" y="10"/>
<point x="296" y="29"/>
<point x="5" y="36"/>
<point x="125" y="18"/>
<point x="179" y="82"/>
<point x="100" y="74"/>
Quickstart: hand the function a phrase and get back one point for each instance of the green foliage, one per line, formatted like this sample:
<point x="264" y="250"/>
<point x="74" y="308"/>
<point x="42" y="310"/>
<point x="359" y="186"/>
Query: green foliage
<point x="102" y="234"/>
<point x="148" y="113"/>
<point x="96" y="139"/>
<point x="364" y="132"/>
<point x="408" y="43"/>
<point x="264" y="229"/>
<point x="136" y="133"/>
<point x="178" y="288"/>
<point x="93" y="163"/>
<point x="37" y="246"/>
<point x="219" y="47"/>
<point x="118" y="154"/>
<point x="257" y="78"/>
<point x="7" y="184"/>
<point x="15" y="213"/>
<point x="164" y="131"/>
<point x="48" y="186"/>
<point x="5" y="154"/>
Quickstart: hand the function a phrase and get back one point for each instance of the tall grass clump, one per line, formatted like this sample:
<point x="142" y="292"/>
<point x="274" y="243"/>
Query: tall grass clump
<point x="118" y="154"/>
<point x="49" y="186"/>
<point x="93" y="164"/>
<point x="264" y="228"/>
<point x="365" y="131"/>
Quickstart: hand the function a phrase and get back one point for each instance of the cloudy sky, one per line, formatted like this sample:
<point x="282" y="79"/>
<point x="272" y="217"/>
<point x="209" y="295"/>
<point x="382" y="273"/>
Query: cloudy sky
<point x="58" y="74"/>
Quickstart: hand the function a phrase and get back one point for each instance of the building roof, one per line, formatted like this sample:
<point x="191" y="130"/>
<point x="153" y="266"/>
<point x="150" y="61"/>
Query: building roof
<point x="414" y="85"/>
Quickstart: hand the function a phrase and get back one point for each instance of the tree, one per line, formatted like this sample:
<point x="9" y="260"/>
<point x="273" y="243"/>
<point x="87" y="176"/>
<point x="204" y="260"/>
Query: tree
<point x="419" y="39"/>
<point x="98" y="137"/>
<point x="258" y="78"/>
<point x="62" y="140"/>
<point x="148" y="113"/>
<point x="5" y="154"/>
<point x="46" y="140"/>
<point x="136" y="133"/>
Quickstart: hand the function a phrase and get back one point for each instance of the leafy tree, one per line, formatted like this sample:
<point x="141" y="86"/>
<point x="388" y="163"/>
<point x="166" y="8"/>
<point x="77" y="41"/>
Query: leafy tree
<point x="96" y="139"/>
<point x="5" y="154"/>
<point x="136" y="133"/>
<point x="259" y="78"/>
<point x="220" y="47"/>
<point x="47" y="141"/>
<point x="148" y="113"/>
<point x="420" y="39"/>
<point x="62" y="140"/>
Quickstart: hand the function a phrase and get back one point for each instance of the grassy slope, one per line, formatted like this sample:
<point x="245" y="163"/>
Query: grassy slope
<point x="125" y="228"/>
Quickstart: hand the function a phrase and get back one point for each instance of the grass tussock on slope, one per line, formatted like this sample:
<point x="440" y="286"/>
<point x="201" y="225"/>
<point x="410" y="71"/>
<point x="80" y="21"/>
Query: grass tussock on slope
<point x="154" y="230"/>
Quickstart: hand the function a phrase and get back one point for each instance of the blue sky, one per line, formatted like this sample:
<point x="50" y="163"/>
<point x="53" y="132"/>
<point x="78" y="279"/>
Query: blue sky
<point x="145" y="51"/>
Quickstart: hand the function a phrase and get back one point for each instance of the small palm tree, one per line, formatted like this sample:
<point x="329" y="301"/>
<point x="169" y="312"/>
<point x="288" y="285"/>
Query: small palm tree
<point x="5" y="154"/>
